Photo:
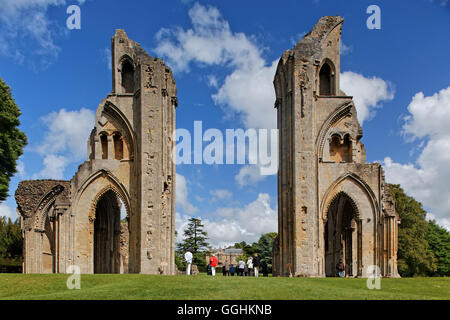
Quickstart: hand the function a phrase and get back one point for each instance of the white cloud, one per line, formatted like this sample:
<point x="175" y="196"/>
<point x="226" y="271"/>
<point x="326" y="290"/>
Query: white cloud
<point x="220" y="194"/>
<point x="368" y="93"/>
<point x="236" y="224"/>
<point x="242" y="224"/>
<point x="181" y="222"/>
<point x="429" y="116"/>
<point x="27" y="30"/>
<point x="209" y="42"/>
<point x="67" y="131"/>
<point x="213" y="81"/>
<point x="249" y="175"/>
<point x="250" y="93"/>
<point x="427" y="179"/>
<point x="20" y="168"/>
<point x="54" y="166"/>
<point x="65" y="140"/>
<point x="7" y="212"/>
<point x="181" y="192"/>
<point x="108" y="58"/>
<point x="248" y="90"/>
<point x="443" y="222"/>
<point x="345" y="49"/>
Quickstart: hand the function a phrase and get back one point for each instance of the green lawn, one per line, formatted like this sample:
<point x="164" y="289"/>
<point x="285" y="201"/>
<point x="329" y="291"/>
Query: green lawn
<point x="202" y="287"/>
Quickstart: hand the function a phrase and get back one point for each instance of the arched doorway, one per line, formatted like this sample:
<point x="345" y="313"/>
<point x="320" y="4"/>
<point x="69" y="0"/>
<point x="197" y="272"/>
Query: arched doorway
<point x="107" y="234"/>
<point x="341" y="236"/>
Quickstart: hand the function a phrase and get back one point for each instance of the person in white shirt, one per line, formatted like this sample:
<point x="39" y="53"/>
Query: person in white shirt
<point x="250" y="266"/>
<point x="241" y="267"/>
<point x="188" y="258"/>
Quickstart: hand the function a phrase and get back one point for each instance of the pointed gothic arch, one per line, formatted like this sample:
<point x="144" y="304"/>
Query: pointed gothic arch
<point x="115" y="114"/>
<point x="345" y="110"/>
<point x="127" y="70"/>
<point x="327" y="78"/>
<point x="342" y="235"/>
<point x="112" y="183"/>
<point x="43" y="207"/>
<point x="336" y="187"/>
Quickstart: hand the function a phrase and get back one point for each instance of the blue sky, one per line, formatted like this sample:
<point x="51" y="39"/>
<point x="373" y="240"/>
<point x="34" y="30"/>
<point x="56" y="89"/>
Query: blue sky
<point x="221" y="53"/>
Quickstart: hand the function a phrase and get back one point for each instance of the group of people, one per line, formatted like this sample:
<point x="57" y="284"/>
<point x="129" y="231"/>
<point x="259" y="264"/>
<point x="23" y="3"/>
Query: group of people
<point x="252" y="267"/>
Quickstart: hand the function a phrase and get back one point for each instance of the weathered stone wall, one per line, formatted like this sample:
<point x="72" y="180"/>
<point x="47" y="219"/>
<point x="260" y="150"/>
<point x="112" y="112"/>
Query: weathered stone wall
<point x="321" y="155"/>
<point x="124" y="243"/>
<point x="42" y="206"/>
<point x="129" y="154"/>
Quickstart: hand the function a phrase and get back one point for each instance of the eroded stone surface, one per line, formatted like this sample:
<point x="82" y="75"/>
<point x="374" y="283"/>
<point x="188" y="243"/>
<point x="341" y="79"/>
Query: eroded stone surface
<point x="331" y="203"/>
<point x="129" y="164"/>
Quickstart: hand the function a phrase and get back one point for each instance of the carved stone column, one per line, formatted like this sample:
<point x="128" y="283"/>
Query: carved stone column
<point x="354" y="230"/>
<point x="98" y="148"/>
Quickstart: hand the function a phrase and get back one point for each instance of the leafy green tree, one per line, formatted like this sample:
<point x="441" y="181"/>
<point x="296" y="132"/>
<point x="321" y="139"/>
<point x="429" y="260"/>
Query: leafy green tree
<point x="439" y="242"/>
<point x="248" y="249"/>
<point x="195" y="241"/>
<point x="414" y="253"/>
<point x="264" y="247"/>
<point x="12" y="140"/>
<point x="242" y="257"/>
<point x="10" y="239"/>
<point x="179" y="262"/>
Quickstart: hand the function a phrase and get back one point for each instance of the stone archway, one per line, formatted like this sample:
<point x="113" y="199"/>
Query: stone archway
<point x="107" y="234"/>
<point x="342" y="236"/>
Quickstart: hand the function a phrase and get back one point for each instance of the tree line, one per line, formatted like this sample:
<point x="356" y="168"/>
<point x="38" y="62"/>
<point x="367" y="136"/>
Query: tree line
<point x="10" y="245"/>
<point x="423" y="246"/>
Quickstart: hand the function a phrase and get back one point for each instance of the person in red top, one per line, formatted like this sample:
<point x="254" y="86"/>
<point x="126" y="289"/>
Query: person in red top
<point x="213" y="264"/>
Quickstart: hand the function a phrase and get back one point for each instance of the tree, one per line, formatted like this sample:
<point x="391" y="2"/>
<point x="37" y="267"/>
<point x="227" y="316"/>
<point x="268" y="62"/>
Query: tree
<point x="264" y="247"/>
<point x="248" y="249"/>
<point x="195" y="241"/>
<point x="12" y="140"/>
<point x="439" y="242"/>
<point x="414" y="253"/>
<point x="10" y="239"/>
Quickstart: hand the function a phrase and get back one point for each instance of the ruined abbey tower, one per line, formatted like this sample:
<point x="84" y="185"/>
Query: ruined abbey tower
<point x="331" y="204"/>
<point x="129" y="166"/>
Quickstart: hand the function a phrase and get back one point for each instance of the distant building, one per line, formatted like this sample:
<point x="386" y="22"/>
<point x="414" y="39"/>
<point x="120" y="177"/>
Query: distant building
<point x="222" y="255"/>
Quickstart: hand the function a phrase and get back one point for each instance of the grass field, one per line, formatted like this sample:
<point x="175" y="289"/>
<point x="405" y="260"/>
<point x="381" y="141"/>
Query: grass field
<point x="202" y="287"/>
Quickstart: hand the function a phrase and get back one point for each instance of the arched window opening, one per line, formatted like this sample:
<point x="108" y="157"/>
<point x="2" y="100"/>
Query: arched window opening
<point x="325" y="76"/>
<point x="340" y="149"/>
<point x="127" y="77"/>
<point x="118" y="146"/>
<point x="104" y="142"/>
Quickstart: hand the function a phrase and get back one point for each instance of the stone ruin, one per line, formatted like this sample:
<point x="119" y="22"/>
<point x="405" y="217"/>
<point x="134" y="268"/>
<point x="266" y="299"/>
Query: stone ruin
<point x="129" y="164"/>
<point x="331" y="204"/>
